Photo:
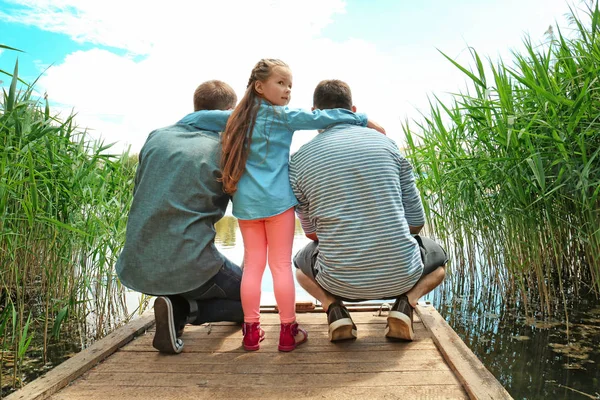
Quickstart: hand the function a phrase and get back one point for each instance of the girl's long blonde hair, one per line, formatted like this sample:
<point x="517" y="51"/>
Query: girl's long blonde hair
<point x="236" y="138"/>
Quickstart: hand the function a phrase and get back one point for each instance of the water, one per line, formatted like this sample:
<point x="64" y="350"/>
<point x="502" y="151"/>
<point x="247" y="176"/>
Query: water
<point x="533" y="358"/>
<point x="229" y="242"/>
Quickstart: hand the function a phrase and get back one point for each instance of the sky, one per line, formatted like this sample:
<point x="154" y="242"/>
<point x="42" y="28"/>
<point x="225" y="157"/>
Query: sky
<point x="128" y="67"/>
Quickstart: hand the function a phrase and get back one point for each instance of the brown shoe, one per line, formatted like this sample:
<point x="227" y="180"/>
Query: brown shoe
<point x="400" y="320"/>
<point x="341" y="326"/>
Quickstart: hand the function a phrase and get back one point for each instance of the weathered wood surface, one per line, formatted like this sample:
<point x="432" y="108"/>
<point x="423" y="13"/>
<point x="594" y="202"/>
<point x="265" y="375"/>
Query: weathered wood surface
<point x="214" y="365"/>
<point x="60" y="376"/>
<point x="476" y="379"/>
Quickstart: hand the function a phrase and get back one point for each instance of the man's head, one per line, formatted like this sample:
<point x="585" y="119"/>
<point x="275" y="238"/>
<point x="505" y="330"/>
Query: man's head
<point x="333" y="93"/>
<point x="214" y="95"/>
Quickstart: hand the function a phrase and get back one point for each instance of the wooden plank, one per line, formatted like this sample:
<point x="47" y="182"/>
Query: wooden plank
<point x="470" y="371"/>
<point x="71" y="369"/>
<point x="128" y="359"/>
<point x="337" y="392"/>
<point x="270" y="345"/>
<point x="382" y="365"/>
<point x="193" y="333"/>
<point x="212" y="328"/>
<point x="367" y="317"/>
<point x="282" y="379"/>
<point x="202" y="331"/>
<point x="275" y="369"/>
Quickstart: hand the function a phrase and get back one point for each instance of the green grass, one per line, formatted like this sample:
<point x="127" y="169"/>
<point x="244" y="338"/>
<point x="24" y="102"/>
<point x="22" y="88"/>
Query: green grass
<point x="510" y="170"/>
<point x="63" y="206"/>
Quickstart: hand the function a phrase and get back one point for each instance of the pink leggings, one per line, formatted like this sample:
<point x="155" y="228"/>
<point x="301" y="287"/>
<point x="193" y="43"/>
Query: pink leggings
<point x="277" y="234"/>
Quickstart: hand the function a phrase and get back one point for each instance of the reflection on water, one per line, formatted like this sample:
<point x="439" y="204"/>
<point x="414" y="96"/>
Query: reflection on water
<point x="533" y="359"/>
<point x="226" y="232"/>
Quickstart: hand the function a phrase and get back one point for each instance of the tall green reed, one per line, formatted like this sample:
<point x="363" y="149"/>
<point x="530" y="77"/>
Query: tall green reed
<point x="511" y="170"/>
<point x="63" y="205"/>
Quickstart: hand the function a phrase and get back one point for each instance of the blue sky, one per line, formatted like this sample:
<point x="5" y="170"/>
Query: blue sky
<point x="126" y="73"/>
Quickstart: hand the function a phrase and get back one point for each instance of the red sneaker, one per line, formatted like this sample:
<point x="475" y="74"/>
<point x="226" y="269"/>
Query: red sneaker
<point x="253" y="335"/>
<point x="287" y="336"/>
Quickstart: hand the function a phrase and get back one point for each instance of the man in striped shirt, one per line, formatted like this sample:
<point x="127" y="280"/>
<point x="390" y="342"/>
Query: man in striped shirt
<point x="359" y="204"/>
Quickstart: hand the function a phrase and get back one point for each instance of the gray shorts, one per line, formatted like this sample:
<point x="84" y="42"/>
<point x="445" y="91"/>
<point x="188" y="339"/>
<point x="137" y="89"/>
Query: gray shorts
<point x="432" y="255"/>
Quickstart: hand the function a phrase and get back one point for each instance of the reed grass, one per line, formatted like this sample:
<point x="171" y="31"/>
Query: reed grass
<point x="63" y="206"/>
<point x="510" y="168"/>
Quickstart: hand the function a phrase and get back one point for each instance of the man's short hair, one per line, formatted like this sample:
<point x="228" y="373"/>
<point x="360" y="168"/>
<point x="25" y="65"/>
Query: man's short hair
<point x="332" y="93"/>
<point x="214" y="95"/>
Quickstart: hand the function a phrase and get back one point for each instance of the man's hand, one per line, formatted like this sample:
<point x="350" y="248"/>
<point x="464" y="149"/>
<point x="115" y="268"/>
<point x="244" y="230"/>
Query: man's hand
<point x="312" y="236"/>
<point x="376" y="126"/>
<point x="415" y="230"/>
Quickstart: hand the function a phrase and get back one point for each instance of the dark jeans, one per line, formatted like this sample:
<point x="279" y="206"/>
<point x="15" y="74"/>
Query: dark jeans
<point x="432" y="255"/>
<point x="217" y="300"/>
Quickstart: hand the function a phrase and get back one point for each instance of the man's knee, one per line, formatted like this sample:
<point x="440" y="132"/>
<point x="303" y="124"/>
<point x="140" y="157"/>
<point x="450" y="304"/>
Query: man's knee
<point x="441" y="271"/>
<point x="301" y="276"/>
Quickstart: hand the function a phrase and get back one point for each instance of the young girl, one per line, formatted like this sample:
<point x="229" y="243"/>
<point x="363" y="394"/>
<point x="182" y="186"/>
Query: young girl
<point x="255" y="154"/>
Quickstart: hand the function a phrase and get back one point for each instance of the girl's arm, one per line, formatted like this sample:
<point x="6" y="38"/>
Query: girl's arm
<point x="299" y="119"/>
<point x="211" y="120"/>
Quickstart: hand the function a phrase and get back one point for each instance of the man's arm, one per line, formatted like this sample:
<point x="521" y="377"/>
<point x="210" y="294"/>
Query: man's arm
<point x="303" y="206"/>
<point x="411" y="199"/>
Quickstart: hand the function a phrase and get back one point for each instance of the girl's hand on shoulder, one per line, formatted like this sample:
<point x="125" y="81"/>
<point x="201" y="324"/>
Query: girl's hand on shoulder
<point x="374" y="125"/>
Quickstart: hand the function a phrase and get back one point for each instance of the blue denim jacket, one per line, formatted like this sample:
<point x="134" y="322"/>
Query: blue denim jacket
<point x="264" y="189"/>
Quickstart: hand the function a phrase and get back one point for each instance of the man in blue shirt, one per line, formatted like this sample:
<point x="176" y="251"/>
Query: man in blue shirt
<point x="359" y="203"/>
<point x="169" y="248"/>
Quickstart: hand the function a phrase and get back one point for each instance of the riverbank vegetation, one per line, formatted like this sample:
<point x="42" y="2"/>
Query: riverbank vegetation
<point x="510" y="168"/>
<point x="63" y="206"/>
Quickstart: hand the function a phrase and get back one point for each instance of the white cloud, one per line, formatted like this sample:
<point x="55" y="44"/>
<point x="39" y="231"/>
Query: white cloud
<point x="172" y="47"/>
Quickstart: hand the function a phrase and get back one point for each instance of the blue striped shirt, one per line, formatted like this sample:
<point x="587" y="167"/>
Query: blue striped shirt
<point x="358" y="194"/>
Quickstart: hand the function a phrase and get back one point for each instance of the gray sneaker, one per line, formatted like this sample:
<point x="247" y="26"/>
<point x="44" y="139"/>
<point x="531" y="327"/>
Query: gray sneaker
<point x="165" y="337"/>
<point x="341" y="326"/>
<point x="400" y="320"/>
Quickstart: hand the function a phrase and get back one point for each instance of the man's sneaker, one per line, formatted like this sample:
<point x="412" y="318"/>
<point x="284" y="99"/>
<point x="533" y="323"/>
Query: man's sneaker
<point x="400" y="320"/>
<point x="341" y="326"/>
<point x="253" y="335"/>
<point x="165" y="337"/>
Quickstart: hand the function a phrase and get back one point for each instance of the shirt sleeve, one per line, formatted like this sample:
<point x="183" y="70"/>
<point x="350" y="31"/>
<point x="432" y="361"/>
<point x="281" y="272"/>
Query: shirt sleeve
<point x="303" y="206"/>
<point x="298" y="119"/>
<point x="411" y="199"/>
<point x="210" y="120"/>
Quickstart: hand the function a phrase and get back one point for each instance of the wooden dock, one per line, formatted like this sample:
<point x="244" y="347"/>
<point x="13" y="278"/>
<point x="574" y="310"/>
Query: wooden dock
<point x="213" y="365"/>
